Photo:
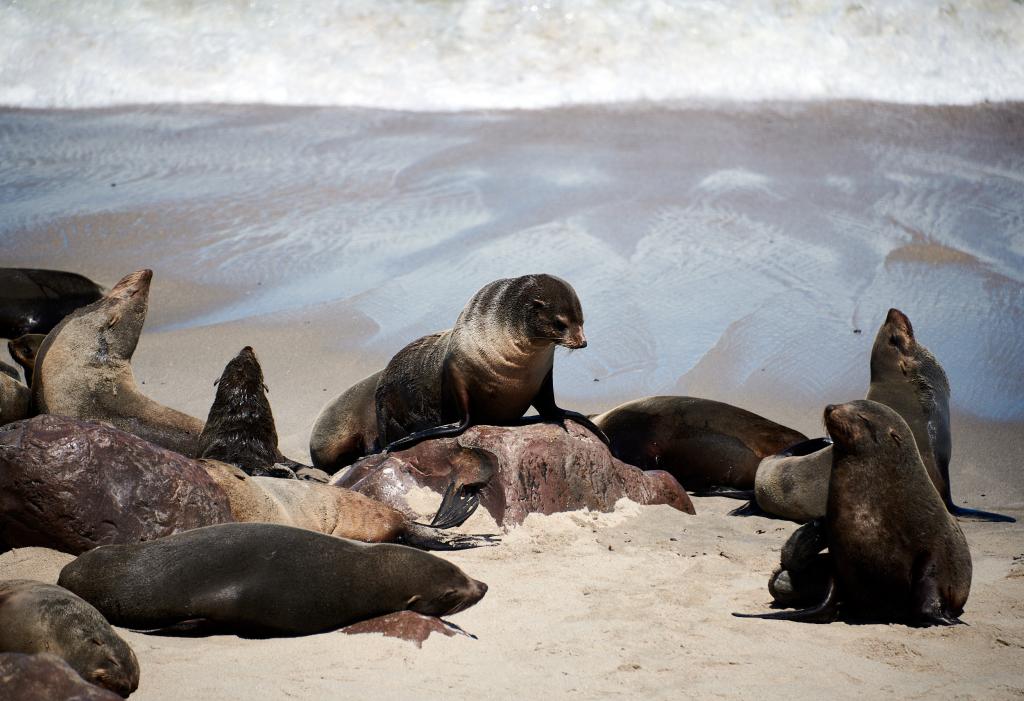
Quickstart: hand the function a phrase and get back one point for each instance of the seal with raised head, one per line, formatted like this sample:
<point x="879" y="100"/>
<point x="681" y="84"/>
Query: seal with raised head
<point x="83" y="369"/>
<point x="262" y="579"/>
<point x="702" y="443"/>
<point x="906" y="377"/>
<point x="240" y="428"/>
<point x="493" y="365"/>
<point x="38" y="617"/>
<point x="24" y="350"/>
<point x="34" y="300"/>
<point x="895" y="552"/>
<point x="346" y="428"/>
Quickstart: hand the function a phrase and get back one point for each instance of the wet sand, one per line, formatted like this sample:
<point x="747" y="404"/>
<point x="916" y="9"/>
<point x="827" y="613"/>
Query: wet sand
<point x="745" y="254"/>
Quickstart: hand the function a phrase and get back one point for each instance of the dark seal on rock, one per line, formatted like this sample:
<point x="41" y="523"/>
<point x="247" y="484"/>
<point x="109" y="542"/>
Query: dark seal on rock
<point x="346" y="428"/>
<point x="262" y="579"/>
<point x="515" y="471"/>
<point x="240" y="428"/>
<point x="40" y="617"/>
<point x="45" y="677"/>
<point x="84" y="369"/>
<point x="24" y="350"/>
<point x="71" y="485"/>
<point x="702" y="443"/>
<point x="895" y="553"/>
<point x="493" y="365"/>
<point x="34" y="301"/>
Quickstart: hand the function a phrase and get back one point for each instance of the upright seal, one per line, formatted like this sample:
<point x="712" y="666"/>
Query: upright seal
<point x="84" y="370"/>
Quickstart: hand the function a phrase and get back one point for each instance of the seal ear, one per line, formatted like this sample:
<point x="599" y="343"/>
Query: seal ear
<point x="538" y="303"/>
<point x="895" y="436"/>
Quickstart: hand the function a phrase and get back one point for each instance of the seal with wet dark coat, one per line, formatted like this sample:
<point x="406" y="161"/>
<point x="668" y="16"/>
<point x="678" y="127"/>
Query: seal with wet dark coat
<point x="38" y="617"/>
<point x="702" y="443"/>
<point x="263" y="579"/>
<point x="895" y="553"/>
<point x="904" y="376"/>
<point x="34" y="300"/>
<point x="24" y="350"/>
<point x="493" y="365"/>
<point x="346" y="428"/>
<point x="240" y="428"/>
<point x="84" y="370"/>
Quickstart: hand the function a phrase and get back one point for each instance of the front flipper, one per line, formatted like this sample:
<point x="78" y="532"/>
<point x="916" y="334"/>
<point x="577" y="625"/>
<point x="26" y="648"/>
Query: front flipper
<point x="824" y="612"/>
<point x="965" y="514"/>
<point x="544" y="403"/>
<point x="727" y="492"/>
<point x="928" y="607"/>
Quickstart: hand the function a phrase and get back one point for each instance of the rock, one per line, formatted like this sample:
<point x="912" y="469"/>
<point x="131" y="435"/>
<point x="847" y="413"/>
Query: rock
<point x="72" y="484"/>
<point x="45" y="677"/>
<point x="538" y="468"/>
<point x="407" y="625"/>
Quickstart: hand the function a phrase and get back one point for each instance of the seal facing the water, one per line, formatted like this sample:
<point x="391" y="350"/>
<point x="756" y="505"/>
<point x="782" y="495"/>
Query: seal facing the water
<point x="895" y="552"/>
<point x="38" y="617"/>
<point x="493" y="365"/>
<point x="264" y="579"/>
<point x="83" y="369"/>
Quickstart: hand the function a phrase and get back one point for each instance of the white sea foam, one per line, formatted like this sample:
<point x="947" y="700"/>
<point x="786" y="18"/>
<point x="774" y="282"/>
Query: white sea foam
<point x="423" y="55"/>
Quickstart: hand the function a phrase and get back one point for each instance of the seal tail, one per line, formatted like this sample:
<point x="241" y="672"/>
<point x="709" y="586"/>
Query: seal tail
<point x="458" y="504"/>
<point x="729" y="492"/>
<point x="419" y="535"/>
<point x="965" y="514"/>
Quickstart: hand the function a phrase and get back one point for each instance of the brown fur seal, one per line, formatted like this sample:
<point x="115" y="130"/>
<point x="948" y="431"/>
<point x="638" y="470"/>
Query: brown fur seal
<point x="24" y="350"/>
<point x="15" y="399"/>
<point x="493" y="365"/>
<point x="240" y="428"/>
<point x="34" y="301"/>
<point x="906" y="377"/>
<point x="328" y="509"/>
<point x="346" y="429"/>
<point x="45" y="677"/>
<point x="895" y="552"/>
<point x="38" y="617"/>
<point x="84" y="369"/>
<point x="264" y="579"/>
<point x="702" y="443"/>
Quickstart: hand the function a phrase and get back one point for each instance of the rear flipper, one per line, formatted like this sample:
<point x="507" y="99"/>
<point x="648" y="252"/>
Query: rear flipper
<point x="457" y="505"/>
<point x="443" y="431"/>
<point x="824" y="612"/>
<point x="966" y="514"/>
<point x="425" y="537"/>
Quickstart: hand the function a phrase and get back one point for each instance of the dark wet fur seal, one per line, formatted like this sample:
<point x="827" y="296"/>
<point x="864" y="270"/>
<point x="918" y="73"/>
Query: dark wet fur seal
<point x="895" y="553"/>
<point x="38" y="617"/>
<point x="83" y="370"/>
<point x="490" y="368"/>
<point x="260" y="579"/>
<point x="710" y="447"/>
<point x="240" y="428"/>
<point x="34" y="300"/>
<point x="24" y="350"/>
<point x="346" y="429"/>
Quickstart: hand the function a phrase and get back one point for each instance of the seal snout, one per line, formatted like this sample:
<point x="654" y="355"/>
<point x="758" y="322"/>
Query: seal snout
<point x="132" y="283"/>
<point x="899" y="320"/>
<point x="575" y="340"/>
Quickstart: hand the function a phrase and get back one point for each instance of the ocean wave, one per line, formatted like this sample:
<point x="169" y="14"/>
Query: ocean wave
<point x="498" y="54"/>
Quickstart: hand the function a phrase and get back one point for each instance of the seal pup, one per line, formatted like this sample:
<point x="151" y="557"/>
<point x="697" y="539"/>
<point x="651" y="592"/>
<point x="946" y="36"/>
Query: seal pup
<point x="262" y="579"/>
<point x="83" y="369"/>
<point x="39" y="617"/>
<point x="34" y="300"/>
<point x="493" y="365"/>
<point x="895" y="552"/>
<point x="704" y="444"/>
<point x="24" y="350"/>
<point x="346" y="428"/>
<point x="240" y="428"/>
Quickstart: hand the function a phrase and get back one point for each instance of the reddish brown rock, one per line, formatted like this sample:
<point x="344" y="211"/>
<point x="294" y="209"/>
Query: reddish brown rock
<point x="71" y="485"/>
<point x="45" y="677"/>
<point x="539" y="468"/>
<point x="407" y="625"/>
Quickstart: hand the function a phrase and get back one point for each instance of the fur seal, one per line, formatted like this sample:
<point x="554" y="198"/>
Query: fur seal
<point x="262" y="579"/>
<point x="346" y="429"/>
<point x="40" y="617"/>
<point x="493" y="365"/>
<point x="34" y="300"/>
<point x="45" y="677"/>
<point x="24" y="350"/>
<point x="895" y="552"/>
<point x="331" y="510"/>
<point x="702" y="443"/>
<point x="240" y="428"/>
<point x="906" y="377"/>
<point x="84" y="369"/>
<point x="15" y="398"/>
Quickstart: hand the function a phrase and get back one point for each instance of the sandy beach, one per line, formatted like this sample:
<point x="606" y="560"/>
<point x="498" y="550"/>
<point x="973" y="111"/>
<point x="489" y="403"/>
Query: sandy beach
<point x="740" y="253"/>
